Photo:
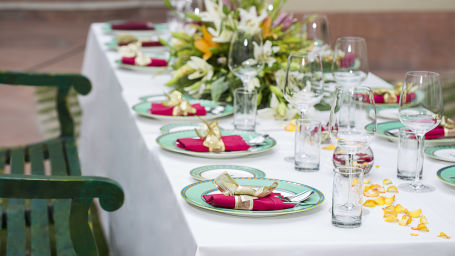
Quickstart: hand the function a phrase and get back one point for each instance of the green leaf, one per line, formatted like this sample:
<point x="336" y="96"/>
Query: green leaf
<point x="193" y="16"/>
<point x="168" y="4"/>
<point x="218" y="87"/>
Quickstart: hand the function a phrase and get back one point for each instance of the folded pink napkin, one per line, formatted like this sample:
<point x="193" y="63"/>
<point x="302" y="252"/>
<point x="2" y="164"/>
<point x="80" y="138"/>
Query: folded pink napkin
<point x="146" y="44"/>
<point x="439" y="132"/>
<point x="133" y="25"/>
<point x="160" y="109"/>
<point x="378" y="99"/>
<point x="153" y="63"/>
<point x="268" y="203"/>
<point x="231" y="143"/>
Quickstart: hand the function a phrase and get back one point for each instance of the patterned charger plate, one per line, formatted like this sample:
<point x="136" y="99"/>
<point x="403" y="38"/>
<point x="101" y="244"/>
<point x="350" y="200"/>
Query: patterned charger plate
<point x="444" y="153"/>
<point x="447" y="175"/>
<point x="209" y="172"/>
<point x="168" y="142"/>
<point x="143" y="109"/>
<point x="193" y="195"/>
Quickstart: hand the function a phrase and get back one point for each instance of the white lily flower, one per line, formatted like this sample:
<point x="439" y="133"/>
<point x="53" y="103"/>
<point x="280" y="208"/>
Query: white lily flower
<point x="142" y="59"/>
<point x="201" y="69"/>
<point x="280" y="78"/>
<point x="249" y="20"/>
<point x="265" y="53"/>
<point x="214" y="13"/>
<point x="252" y="84"/>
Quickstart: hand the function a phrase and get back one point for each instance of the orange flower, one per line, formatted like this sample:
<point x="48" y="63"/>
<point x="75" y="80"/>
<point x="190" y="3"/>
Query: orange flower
<point x="205" y="43"/>
<point x="266" y="25"/>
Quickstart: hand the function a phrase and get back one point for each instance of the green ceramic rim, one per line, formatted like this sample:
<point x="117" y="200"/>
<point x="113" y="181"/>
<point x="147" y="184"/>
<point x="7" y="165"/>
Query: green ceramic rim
<point x="143" y="108"/>
<point x="382" y="128"/>
<point x="167" y="141"/>
<point x="197" y="172"/>
<point x="193" y="195"/>
<point x="430" y="151"/>
<point x="443" y="174"/>
<point x="168" y="127"/>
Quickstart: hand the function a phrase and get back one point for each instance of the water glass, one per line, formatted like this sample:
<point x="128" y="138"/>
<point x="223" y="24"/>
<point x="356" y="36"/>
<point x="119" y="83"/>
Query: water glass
<point x="408" y="149"/>
<point x="245" y="106"/>
<point x="347" y="197"/>
<point x="307" y="145"/>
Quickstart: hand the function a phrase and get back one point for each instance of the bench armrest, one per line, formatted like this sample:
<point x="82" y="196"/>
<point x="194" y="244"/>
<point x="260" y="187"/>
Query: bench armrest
<point x="108" y="191"/>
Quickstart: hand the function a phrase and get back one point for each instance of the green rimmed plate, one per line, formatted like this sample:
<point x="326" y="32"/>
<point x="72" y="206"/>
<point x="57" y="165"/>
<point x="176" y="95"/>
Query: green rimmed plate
<point x="209" y="172"/>
<point x="444" y="153"/>
<point x="178" y="127"/>
<point x="146" y="69"/>
<point x="158" y="51"/>
<point x="168" y="142"/>
<point x="143" y="109"/>
<point x="160" y="29"/>
<point x="447" y="175"/>
<point x="193" y="195"/>
<point x="389" y="130"/>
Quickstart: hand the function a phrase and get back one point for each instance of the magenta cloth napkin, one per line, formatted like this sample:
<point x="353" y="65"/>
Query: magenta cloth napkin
<point x="231" y="143"/>
<point x="268" y="203"/>
<point x="146" y="44"/>
<point x="154" y="63"/>
<point x="160" y="109"/>
<point x="133" y="25"/>
<point x="379" y="99"/>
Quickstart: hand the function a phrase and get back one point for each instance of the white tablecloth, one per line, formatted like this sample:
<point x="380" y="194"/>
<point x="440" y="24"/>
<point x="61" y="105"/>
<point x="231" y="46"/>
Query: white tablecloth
<point x="155" y="220"/>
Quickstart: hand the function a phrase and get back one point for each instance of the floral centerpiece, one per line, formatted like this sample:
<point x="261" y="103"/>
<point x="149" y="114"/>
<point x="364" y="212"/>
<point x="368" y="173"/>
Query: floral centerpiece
<point x="200" y="57"/>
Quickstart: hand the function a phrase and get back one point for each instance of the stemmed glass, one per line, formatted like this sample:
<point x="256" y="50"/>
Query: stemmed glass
<point x="245" y="55"/>
<point x="316" y="28"/>
<point x="352" y="110"/>
<point x="304" y="82"/>
<point x="350" y="61"/>
<point x="420" y="114"/>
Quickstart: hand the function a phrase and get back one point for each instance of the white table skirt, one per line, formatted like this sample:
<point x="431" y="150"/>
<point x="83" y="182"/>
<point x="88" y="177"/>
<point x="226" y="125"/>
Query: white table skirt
<point x="155" y="220"/>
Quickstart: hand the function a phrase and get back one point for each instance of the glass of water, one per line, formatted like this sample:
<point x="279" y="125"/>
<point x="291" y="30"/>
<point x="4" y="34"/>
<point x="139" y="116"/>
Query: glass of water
<point x="245" y="106"/>
<point x="347" y="197"/>
<point x="307" y="145"/>
<point x="407" y="152"/>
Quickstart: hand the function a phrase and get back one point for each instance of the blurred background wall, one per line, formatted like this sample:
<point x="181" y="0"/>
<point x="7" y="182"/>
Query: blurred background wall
<point x="50" y="36"/>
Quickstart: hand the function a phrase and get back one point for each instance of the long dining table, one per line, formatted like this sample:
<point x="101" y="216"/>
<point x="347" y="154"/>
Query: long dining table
<point x="155" y="220"/>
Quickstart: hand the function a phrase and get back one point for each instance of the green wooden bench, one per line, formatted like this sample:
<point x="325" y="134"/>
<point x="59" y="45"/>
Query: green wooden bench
<point x="46" y="205"/>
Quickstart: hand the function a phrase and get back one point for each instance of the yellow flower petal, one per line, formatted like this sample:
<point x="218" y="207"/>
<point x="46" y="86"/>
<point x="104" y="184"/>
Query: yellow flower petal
<point x="399" y="208"/>
<point x="389" y="200"/>
<point x="366" y="181"/>
<point x="443" y="235"/>
<point x="380" y="200"/>
<point x="386" y="182"/>
<point x="415" y="214"/>
<point x="423" y="220"/>
<point x="390" y="218"/>
<point x="370" y="194"/>
<point x="329" y="147"/>
<point x="414" y="234"/>
<point x="291" y="127"/>
<point x="392" y="189"/>
<point x="377" y="166"/>
<point x="369" y="203"/>
<point x="354" y="182"/>
<point x="405" y="220"/>
<point x="421" y="227"/>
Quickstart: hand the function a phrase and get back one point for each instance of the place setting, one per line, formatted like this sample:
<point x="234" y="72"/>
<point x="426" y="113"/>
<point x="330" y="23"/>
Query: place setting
<point x="146" y="44"/>
<point x="139" y="28"/>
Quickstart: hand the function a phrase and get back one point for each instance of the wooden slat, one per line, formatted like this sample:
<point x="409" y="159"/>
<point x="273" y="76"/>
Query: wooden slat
<point x="39" y="228"/>
<point x="61" y="207"/>
<point x="16" y="237"/>
<point x="2" y="160"/>
<point x="73" y="158"/>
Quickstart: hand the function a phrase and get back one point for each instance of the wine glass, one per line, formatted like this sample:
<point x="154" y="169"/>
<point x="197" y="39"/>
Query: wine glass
<point x="316" y="29"/>
<point x="421" y="115"/>
<point x="304" y="82"/>
<point x="350" y="61"/>
<point x="245" y="55"/>
<point x="352" y="110"/>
